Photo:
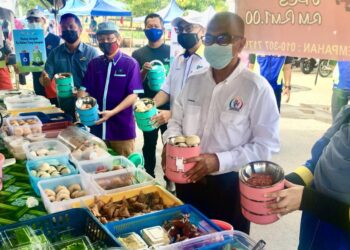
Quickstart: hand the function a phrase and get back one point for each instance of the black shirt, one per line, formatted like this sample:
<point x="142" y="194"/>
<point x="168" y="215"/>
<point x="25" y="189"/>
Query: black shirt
<point x="148" y="54"/>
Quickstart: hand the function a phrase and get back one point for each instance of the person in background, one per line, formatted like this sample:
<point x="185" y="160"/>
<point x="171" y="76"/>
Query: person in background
<point x="341" y="87"/>
<point x="278" y="72"/>
<point x="233" y="111"/>
<point x="321" y="190"/>
<point x="5" y="75"/>
<point x="6" y="29"/>
<point x="156" y="49"/>
<point x="73" y="57"/>
<point x="37" y="20"/>
<point x="93" y="29"/>
<point x="114" y="80"/>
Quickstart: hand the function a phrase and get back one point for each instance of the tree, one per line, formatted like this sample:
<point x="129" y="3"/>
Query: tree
<point x="27" y="4"/>
<point x="201" y="5"/>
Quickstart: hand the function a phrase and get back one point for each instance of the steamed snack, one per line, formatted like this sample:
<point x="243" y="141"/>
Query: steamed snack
<point x="185" y="141"/>
<point x="132" y="241"/>
<point x="260" y="180"/>
<point x="43" y="152"/>
<point x="155" y="236"/>
<point x="86" y="106"/>
<point x="181" y="229"/>
<point x="21" y="122"/>
<point x="23" y="127"/>
<point x="143" y="105"/>
<point x="65" y="193"/>
<point x="46" y="170"/>
<point x="102" y="169"/>
<point x="126" y="208"/>
<point x="115" y="181"/>
<point x="89" y="151"/>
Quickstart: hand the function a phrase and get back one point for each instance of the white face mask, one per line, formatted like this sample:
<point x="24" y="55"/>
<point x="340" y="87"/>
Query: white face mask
<point x="218" y="56"/>
<point x="35" y="26"/>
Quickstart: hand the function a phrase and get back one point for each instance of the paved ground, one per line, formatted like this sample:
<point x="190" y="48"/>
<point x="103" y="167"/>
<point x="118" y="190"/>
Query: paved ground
<point x="304" y="119"/>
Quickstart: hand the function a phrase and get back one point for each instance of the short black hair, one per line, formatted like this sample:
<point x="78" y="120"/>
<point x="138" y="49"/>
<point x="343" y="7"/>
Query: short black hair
<point x="70" y="15"/>
<point x="154" y="15"/>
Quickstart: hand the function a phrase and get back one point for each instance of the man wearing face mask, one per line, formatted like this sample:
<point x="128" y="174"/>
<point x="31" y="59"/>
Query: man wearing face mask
<point x="37" y="20"/>
<point x="189" y="30"/>
<point x="73" y="56"/>
<point x="234" y="113"/>
<point x="114" y="80"/>
<point x="156" y="49"/>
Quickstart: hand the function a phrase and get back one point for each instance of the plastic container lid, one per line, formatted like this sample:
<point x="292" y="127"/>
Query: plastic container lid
<point x="155" y="236"/>
<point x="46" y="149"/>
<point x="81" y="243"/>
<point x="23" y="125"/>
<point x="26" y="102"/>
<point x="20" y="238"/>
<point x="132" y="241"/>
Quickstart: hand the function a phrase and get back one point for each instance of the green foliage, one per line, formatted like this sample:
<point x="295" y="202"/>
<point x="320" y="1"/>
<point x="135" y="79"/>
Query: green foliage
<point x="201" y="5"/>
<point x="28" y="4"/>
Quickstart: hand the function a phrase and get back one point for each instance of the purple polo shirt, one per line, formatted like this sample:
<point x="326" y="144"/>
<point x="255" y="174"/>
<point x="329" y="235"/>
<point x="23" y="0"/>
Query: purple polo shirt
<point x="110" y="82"/>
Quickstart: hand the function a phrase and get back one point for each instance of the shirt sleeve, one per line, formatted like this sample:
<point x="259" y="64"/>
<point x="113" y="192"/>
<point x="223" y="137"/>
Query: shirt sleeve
<point x="50" y="64"/>
<point x="134" y="79"/>
<point x="135" y="55"/>
<point x="264" y="122"/>
<point x="167" y="84"/>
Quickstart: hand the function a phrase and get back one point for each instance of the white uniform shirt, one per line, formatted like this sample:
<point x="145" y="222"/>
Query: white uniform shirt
<point x="180" y="70"/>
<point x="236" y="119"/>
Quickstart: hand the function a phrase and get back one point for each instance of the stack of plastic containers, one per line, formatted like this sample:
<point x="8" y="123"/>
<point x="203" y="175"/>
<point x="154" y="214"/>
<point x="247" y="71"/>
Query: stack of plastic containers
<point x="26" y="102"/>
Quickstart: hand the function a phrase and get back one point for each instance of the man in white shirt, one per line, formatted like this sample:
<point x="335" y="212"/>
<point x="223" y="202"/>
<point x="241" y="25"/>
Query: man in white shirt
<point x="189" y="31"/>
<point x="234" y="113"/>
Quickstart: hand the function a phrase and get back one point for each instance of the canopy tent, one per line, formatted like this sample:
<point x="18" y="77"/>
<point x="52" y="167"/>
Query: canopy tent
<point x="95" y="8"/>
<point x="8" y="5"/>
<point x="170" y="12"/>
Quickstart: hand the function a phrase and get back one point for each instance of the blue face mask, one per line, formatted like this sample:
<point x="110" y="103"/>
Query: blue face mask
<point x="153" y="35"/>
<point x="218" y="56"/>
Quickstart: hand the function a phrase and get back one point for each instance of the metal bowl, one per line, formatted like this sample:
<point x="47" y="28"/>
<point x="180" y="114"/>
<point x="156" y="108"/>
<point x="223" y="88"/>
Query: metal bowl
<point x="85" y="100"/>
<point x="263" y="167"/>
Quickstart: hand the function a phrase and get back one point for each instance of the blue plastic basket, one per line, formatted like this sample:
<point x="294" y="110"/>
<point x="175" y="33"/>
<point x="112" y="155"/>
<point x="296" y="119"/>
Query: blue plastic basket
<point x="78" y="222"/>
<point x="34" y="164"/>
<point x="136" y="224"/>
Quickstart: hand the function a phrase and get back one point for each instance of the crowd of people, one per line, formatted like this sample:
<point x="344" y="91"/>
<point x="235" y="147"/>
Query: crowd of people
<point x="208" y="92"/>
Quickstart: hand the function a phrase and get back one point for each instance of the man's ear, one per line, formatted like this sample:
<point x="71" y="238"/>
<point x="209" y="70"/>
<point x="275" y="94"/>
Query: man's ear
<point x="242" y="43"/>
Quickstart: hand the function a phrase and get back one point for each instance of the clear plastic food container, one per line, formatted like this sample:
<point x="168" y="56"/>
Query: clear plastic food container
<point x="46" y="149"/>
<point x="81" y="243"/>
<point x="20" y="238"/>
<point x="67" y="181"/>
<point x="132" y="241"/>
<point x="26" y="102"/>
<point x="23" y="125"/>
<point x="155" y="236"/>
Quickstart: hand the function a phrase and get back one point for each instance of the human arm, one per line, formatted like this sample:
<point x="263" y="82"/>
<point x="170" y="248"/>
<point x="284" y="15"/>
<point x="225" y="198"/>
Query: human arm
<point x="49" y="70"/>
<point x="287" y="73"/>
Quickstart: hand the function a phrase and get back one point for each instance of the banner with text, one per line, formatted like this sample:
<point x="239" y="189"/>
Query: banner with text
<point x="30" y="50"/>
<point x="302" y="28"/>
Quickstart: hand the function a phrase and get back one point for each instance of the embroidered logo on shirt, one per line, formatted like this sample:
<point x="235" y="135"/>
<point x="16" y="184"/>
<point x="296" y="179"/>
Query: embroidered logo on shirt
<point x="236" y="103"/>
<point x="199" y="66"/>
<point x="49" y="46"/>
<point x="83" y="58"/>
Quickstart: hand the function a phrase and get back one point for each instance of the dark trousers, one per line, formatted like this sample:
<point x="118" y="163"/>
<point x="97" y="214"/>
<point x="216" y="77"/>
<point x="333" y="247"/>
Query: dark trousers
<point x="278" y="95"/>
<point x="149" y="148"/>
<point x="68" y="105"/>
<point x="340" y="98"/>
<point x="218" y="197"/>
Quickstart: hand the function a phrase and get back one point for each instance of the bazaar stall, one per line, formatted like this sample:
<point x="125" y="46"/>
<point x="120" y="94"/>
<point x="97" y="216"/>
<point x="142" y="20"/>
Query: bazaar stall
<point x="62" y="188"/>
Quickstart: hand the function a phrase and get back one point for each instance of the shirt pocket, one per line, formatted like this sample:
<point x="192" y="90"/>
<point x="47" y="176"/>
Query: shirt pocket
<point x="235" y="127"/>
<point x="192" y="121"/>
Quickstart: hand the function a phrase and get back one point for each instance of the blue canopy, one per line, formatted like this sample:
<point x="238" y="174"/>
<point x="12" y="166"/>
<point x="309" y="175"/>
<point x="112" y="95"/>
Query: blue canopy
<point x="169" y="13"/>
<point x="109" y="8"/>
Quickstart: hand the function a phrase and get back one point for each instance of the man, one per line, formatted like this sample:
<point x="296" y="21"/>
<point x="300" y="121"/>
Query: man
<point x="234" y="113"/>
<point x="189" y="32"/>
<point x="114" y="79"/>
<point x="37" y="20"/>
<point x="278" y="72"/>
<point x="156" y="49"/>
<point x="341" y="87"/>
<point x="73" y="56"/>
<point x="93" y="29"/>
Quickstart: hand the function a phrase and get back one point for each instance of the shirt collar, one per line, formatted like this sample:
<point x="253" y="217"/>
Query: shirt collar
<point x="80" y="48"/>
<point x="115" y="58"/>
<point x="199" y="52"/>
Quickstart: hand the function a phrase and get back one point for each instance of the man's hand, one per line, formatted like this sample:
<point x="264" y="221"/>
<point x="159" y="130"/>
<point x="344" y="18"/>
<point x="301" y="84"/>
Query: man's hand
<point x="286" y="92"/>
<point x="146" y="66"/>
<point x="81" y="93"/>
<point x="44" y="79"/>
<point x="205" y="165"/>
<point x="161" y="118"/>
<point x="105" y="116"/>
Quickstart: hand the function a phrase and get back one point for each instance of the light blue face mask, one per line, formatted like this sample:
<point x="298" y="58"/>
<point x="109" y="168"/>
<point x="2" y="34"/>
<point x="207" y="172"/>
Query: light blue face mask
<point x="218" y="56"/>
<point x="35" y="26"/>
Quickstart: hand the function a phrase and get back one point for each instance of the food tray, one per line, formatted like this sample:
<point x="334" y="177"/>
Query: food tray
<point x="34" y="164"/>
<point x="136" y="177"/>
<point x="34" y="128"/>
<point x="89" y="167"/>
<point x="136" y="224"/>
<point x="79" y="222"/>
<point x="57" y="206"/>
<point x="218" y="241"/>
<point x="26" y="102"/>
<point x="42" y="116"/>
<point x="61" y="149"/>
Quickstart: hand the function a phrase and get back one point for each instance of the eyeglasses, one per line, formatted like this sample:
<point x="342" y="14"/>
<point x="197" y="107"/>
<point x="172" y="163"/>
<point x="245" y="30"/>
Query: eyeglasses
<point x="223" y="39"/>
<point x="185" y="28"/>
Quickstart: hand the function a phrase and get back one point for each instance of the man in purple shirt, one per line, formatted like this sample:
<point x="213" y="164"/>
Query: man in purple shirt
<point x="114" y="80"/>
